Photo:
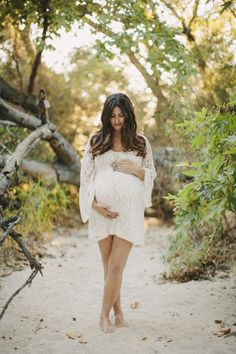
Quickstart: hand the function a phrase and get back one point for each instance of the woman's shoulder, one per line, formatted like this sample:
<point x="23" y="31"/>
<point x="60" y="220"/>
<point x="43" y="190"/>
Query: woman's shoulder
<point x="140" y="134"/>
<point x="87" y="144"/>
<point x="91" y="138"/>
<point x="145" y="138"/>
<point x="92" y="135"/>
<point x="147" y="142"/>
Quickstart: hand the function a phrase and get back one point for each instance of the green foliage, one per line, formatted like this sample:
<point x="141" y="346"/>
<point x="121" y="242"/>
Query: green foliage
<point x="200" y="205"/>
<point x="167" y="54"/>
<point x="185" y="58"/>
<point x="11" y="136"/>
<point x="190" y="259"/>
<point x="141" y="29"/>
<point x="28" y="27"/>
<point x="42" y="205"/>
<point x="56" y="13"/>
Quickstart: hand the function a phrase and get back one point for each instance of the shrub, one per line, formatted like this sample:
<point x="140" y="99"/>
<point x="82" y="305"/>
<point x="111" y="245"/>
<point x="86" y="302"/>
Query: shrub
<point x="201" y="206"/>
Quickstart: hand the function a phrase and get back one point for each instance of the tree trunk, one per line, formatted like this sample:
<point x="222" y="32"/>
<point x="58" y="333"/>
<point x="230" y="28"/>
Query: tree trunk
<point x="28" y="102"/>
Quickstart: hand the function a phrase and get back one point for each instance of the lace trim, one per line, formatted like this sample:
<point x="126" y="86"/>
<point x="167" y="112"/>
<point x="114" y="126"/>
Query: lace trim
<point x="86" y="190"/>
<point x="150" y="175"/>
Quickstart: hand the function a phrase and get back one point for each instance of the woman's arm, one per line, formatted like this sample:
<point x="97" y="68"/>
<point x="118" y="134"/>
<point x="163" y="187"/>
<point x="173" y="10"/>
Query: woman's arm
<point x="139" y="172"/>
<point x="104" y="210"/>
<point x="86" y="190"/>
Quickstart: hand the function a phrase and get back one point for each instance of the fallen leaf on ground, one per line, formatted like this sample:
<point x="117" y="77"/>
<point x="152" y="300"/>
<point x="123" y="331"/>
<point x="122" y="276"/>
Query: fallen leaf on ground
<point x="134" y="304"/>
<point x="6" y="274"/>
<point x="223" y="331"/>
<point x="73" y="334"/>
<point x="82" y="342"/>
<point x="218" y="321"/>
<point x="144" y="338"/>
<point x="73" y="244"/>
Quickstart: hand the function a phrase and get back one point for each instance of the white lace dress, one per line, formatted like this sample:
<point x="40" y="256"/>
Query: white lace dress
<point x="124" y="192"/>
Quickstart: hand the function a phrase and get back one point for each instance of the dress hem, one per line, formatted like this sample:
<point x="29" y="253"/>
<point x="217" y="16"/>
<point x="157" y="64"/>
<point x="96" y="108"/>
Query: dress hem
<point x="135" y="243"/>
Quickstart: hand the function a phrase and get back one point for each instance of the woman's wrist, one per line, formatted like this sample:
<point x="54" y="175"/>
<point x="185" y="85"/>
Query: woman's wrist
<point x="139" y="172"/>
<point x="94" y="204"/>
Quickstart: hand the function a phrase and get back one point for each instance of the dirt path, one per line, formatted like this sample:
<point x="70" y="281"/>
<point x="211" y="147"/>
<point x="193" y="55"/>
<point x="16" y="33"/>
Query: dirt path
<point x="163" y="318"/>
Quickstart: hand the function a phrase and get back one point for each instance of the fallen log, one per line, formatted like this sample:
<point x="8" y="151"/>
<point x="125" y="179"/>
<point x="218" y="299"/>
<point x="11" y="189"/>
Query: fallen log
<point x="67" y="163"/>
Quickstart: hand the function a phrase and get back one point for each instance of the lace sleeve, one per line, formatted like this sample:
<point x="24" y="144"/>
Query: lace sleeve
<point x="150" y="175"/>
<point x="86" y="189"/>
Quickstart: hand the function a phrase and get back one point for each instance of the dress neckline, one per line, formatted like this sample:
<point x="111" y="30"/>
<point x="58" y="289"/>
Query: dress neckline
<point x="117" y="151"/>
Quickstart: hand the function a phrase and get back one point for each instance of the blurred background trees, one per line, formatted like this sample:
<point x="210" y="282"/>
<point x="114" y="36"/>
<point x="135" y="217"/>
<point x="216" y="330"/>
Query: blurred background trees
<point x="182" y="52"/>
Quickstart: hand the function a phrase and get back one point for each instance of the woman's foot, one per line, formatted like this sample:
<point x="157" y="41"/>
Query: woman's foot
<point x="106" y="324"/>
<point x="119" y="320"/>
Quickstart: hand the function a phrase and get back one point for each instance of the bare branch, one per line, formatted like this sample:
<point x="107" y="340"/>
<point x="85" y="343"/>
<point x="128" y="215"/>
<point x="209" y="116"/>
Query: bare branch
<point x="36" y="168"/>
<point x="195" y="10"/>
<point x="188" y="31"/>
<point x="21" y="151"/>
<point x="148" y="78"/>
<point x="8" y="123"/>
<point x="37" y="61"/>
<point x="227" y="5"/>
<point x="4" y="147"/>
<point x="28" y="282"/>
<point x="172" y="9"/>
<point x="14" y="221"/>
<point x="22" y="119"/>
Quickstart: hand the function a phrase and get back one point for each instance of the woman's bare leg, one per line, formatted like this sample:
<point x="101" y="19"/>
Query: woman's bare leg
<point x="119" y="318"/>
<point x="105" y="246"/>
<point x="116" y="264"/>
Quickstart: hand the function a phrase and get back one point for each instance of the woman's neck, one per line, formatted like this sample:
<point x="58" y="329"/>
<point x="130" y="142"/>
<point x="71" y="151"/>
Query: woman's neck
<point x="117" y="136"/>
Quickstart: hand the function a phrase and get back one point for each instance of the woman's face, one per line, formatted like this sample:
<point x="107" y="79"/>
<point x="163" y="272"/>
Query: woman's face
<point x="117" y="119"/>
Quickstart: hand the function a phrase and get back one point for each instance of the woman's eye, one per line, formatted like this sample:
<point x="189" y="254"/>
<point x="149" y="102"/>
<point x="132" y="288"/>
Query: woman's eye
<point x="120" y="115"/>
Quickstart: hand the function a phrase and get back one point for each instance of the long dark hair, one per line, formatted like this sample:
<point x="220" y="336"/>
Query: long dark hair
<point x="101" y="141"/>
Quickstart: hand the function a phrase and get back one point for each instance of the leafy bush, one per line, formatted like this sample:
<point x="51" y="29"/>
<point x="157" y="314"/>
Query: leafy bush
<point x="200" y="207"/>
<point x="42" y="205"/>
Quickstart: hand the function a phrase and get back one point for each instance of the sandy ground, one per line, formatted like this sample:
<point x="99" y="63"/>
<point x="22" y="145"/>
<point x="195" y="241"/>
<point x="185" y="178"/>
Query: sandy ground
<point x="163" y="317"/>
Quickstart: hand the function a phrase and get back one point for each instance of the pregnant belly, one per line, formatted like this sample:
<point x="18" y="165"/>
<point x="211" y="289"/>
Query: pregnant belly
<point x="118" y="189"/>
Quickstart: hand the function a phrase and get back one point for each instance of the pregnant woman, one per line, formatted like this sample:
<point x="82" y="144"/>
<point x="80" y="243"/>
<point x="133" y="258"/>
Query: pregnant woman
<point x="116" y="182"/>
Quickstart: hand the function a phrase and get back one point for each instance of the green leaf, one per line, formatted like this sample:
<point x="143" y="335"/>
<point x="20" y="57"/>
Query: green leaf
<point x="231" y="151"/>
<point x="198" y="140"/>
<point x="190" y="173"/>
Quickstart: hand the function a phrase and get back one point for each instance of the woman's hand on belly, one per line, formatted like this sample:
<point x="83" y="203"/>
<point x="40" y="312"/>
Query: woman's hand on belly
<point x="127" y="166"/>
<point x="103" y="209"/>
